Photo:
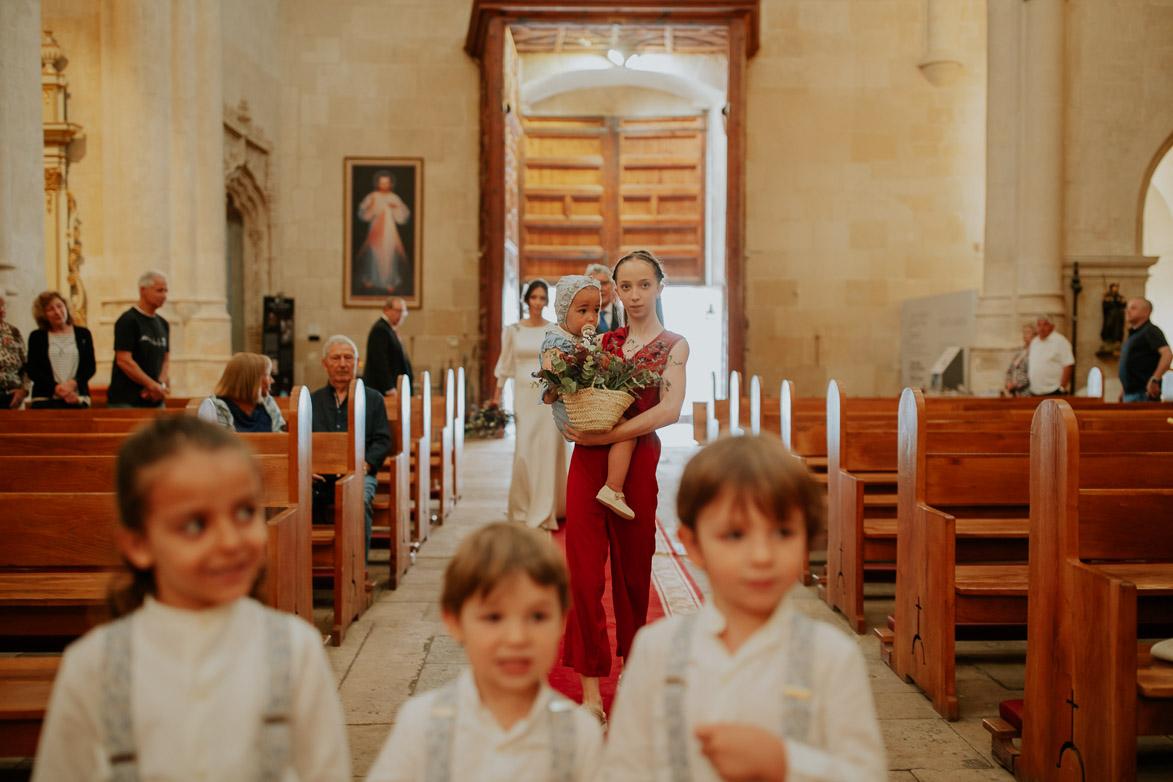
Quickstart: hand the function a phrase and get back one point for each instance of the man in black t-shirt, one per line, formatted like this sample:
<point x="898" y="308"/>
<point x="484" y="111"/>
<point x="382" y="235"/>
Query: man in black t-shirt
<point x="142" y="349"/>
<point x="1145" y="355"/>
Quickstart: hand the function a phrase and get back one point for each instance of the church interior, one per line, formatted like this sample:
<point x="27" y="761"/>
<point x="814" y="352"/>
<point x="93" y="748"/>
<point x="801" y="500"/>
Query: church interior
<point x="850" y="199"/>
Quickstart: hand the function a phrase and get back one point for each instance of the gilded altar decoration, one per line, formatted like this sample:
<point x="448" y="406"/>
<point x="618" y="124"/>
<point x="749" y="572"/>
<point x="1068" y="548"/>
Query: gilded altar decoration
<point x="63" y="258"/>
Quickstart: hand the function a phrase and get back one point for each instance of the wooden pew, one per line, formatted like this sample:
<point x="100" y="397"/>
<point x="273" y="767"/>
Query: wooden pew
<point x="25" y="686"/>
<point x="393" y="498"/>
<point x="961" y="536"/>
<point x="339" y="548"/>
<point x="76" y="581"/>
<point x="442" y="446"/>
<point x="421" y="451"/>
<point x="862" y="501"/>
<point x="704" y="422"/>
<point x="1091" y="688"/>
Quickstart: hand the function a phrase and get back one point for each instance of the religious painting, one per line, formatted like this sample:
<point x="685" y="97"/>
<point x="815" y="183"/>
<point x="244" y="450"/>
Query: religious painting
<point x="382" y="225"/>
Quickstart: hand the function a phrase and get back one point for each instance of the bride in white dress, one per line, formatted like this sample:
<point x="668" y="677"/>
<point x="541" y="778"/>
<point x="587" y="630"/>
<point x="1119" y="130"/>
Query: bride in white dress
<point x="537" y="493"/>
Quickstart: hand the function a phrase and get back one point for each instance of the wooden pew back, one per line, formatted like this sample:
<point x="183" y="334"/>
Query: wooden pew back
<point x="1083" y="616"/>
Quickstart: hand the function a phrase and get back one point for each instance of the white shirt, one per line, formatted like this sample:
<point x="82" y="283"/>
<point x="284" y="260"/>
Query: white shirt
<point x="745" y="687"/>
<point x="483" y="752"/>
<point x="1046" y="361"/>
<point x="63" y="356"/>
<point x="199" y="686"/>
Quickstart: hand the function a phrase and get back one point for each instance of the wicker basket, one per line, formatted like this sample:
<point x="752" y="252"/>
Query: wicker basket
<point x="596" y="410"/>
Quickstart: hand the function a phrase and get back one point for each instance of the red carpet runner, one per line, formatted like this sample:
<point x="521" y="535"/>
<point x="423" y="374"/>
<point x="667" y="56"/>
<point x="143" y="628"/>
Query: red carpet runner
<point x="564" y="679"/>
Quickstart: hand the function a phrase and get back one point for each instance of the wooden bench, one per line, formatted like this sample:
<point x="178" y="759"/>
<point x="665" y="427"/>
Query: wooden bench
<point x="393" y="498"/>
<point x="25" y="686"/>
<point x="50" y="589"/>
<point x="704" y="421"/>
<point x="1101" y="564"/>
<point x="339" y="549"/>
<point x="862" y="500"/>
<point x="961" y="536"/>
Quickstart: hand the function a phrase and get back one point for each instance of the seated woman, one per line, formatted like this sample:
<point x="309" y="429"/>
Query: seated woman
<point x="60" y="357"/>
<point x="242" y="400"/>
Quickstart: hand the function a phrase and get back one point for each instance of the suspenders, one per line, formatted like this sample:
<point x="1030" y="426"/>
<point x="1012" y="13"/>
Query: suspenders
<point x="796" y="697"/>
<point x="118" y="717"/>
<point x="442" y="733"/>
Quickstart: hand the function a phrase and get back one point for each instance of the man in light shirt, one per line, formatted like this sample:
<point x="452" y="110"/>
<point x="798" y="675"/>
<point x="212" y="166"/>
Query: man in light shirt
<point x="1051" y="361"/>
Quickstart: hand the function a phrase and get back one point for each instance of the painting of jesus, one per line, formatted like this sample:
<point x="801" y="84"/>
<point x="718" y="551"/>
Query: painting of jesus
<point x="382" y="225"/>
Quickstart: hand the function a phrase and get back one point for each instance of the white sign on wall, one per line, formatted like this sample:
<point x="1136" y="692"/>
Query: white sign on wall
<point x="929" y="325"/>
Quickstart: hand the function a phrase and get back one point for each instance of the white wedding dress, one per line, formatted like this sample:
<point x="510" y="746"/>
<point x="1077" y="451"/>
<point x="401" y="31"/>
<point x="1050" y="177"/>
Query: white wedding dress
<point x="541" y="458"/>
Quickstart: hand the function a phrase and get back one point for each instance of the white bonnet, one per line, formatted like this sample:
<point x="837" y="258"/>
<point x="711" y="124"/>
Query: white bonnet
<point x="568" y="287"/>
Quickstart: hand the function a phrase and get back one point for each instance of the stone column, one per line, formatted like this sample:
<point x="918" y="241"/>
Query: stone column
<point x="163" y="182"/>
<point x="22" y="177"/>
<point x="1024" y="181"/>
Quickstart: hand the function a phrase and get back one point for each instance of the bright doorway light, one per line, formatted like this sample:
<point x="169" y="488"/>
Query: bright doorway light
<point x="697" y="314"/>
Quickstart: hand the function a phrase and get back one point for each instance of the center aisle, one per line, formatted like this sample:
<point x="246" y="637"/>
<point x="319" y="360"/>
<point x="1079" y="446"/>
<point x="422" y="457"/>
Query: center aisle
<point x="400" y="647"/>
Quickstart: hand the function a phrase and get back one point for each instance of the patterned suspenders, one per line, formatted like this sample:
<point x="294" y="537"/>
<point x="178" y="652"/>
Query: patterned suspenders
<point x="442" y="735"/>
<point x="118" y="716"/>
<point x="797" y="696"/>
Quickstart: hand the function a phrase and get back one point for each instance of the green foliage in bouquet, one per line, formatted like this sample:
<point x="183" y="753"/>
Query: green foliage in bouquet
<point x="589" y="366"/>
<point x="487" y="421"/>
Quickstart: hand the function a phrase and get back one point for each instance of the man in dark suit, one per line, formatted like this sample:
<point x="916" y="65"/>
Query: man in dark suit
<point x="386" y="358"/>
<point x="610" y="316"/>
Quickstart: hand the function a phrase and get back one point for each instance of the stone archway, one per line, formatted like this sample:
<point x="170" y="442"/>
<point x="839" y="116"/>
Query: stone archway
<point x="248" y="189"/>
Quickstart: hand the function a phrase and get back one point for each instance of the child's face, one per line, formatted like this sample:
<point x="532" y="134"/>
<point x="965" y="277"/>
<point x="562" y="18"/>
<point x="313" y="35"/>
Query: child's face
<point x="203" y="535"/>
<point x="584" y="310"/>
<point x="751" y="559"/>
<point x="510" y="635"/>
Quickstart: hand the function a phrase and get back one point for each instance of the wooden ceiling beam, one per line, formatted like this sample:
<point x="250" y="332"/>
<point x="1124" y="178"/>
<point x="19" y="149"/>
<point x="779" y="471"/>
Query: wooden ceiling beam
<point x="646" y="12"/>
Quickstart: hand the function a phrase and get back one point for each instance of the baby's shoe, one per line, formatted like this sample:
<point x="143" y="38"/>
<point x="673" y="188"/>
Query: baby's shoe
<point x="614" y="500"/>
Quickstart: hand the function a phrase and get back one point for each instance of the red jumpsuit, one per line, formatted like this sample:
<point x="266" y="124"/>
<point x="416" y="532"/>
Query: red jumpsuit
<point x="593" y="531"/>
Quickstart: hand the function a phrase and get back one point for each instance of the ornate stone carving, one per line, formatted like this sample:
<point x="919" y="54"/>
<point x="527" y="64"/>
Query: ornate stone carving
<point x="52" y="185"/>
<point x="247" y="182"/>
<point x="77" y="291"/>
<point x="50" y="53"/>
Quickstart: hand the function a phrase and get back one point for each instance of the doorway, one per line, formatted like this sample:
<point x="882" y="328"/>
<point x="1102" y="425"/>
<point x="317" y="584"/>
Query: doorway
<point x="623" y="34"/>
<point x="234" y="269"/>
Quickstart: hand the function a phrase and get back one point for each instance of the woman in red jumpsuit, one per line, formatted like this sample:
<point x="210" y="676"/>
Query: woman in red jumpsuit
<point x="592" y="530"/>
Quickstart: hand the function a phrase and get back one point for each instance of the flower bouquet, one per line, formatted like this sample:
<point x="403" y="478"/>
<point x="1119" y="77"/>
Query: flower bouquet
<point x="487" y="421"/>
<point x="596" y="386"/>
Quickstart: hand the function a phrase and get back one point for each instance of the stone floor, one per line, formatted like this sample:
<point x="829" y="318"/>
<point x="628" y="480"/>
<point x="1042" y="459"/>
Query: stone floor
<point x="400" y="647"/>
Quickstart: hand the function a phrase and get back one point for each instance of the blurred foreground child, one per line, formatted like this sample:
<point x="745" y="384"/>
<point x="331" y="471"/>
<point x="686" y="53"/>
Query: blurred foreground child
<point x="748" y="688"/>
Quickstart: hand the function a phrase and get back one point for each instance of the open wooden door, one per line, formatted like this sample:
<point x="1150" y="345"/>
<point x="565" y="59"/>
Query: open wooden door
<point x="502" y="154"/>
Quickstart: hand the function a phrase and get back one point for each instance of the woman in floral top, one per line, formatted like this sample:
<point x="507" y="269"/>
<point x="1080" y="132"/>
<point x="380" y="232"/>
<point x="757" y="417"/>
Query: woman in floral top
<point x="1017" y="381"/>
<point x="12" y="360"/>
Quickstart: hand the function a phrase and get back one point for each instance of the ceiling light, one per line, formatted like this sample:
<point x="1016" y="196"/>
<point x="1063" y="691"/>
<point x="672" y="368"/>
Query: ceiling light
<point x="615" y="56"/>
<point x="631" y="61"/>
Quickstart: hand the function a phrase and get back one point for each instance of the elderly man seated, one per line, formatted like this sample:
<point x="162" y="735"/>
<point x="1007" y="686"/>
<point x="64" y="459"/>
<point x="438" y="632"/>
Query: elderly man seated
<point x="340" y="358"/>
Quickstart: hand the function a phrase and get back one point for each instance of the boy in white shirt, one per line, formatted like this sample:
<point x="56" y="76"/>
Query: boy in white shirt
<point x="506" y="594"/>
<point x="748" y="688"/>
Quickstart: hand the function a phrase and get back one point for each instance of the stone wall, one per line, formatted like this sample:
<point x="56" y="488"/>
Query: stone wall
<point x="1119" y="119"/>
<point x="367" y="78"/>
<point x="865" y="185"/>
<point x="22" y="188"/>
